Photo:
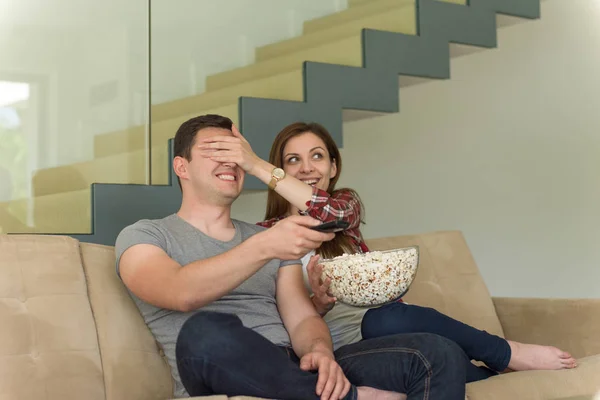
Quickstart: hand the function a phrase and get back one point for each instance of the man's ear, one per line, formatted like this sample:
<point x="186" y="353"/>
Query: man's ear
<point x="333" y="169"/>
<point x="180" y="167"/>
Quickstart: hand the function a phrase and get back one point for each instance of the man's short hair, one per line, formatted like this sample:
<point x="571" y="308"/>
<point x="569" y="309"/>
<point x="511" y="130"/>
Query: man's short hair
<point x="185" y="137"/>
<point x="186" y="134"/>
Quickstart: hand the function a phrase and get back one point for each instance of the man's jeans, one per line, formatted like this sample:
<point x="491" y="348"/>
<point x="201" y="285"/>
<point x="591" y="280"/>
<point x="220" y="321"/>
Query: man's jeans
<point x="216" y="354"/>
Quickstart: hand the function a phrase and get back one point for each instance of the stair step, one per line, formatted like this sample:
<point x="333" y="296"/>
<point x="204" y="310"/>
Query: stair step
<point x="354" y="14"/>
<point x="68" y="212"/>
<point x="134" y="138"/>
<point x="346" y="51"/>
<point x="357" y="3"/>
<point x="398" y="19"/>
<point x="119" y="168"/>
<point x="361" y="3"/>
<point x="286" y="86"/>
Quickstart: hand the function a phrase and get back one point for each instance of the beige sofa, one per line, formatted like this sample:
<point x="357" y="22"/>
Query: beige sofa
<point x="68" y="329"/>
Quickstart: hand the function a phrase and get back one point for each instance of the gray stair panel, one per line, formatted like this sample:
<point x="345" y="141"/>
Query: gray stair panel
<point x="475" y="26"/>
<point x="350" y="87"/>
<point x="115" y="206"/>
<point x="398" y="54"/>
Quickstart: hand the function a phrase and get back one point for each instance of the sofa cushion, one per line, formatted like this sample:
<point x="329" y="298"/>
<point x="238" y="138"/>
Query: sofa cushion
<point x="447" y="279"/>
<point x="540" y="385"/>
<point x="48" y="344"/>
<point x="133" y="366"/>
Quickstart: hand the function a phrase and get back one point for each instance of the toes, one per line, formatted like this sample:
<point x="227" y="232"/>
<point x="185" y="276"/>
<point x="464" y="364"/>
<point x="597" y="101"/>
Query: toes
<point x="570" y="363"/>
<point x="564" y="354"/>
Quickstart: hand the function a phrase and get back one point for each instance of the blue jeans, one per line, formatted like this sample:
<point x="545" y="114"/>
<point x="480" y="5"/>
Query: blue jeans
<point x="216" y="354"/>
<point x="395" y="318"/>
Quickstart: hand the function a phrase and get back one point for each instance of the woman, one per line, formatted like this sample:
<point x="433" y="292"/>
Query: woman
<point x="312" y="164"/>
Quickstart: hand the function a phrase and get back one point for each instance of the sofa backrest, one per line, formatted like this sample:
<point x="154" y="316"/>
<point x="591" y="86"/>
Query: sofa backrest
<point x="447" y="279"/>
<point x="68" y="328"/>
<point x="134" y="368"/>
<point x="48" y="342"/>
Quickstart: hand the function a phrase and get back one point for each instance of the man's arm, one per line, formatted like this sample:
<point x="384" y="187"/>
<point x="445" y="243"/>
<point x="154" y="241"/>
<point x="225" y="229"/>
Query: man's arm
<point x="159" y="280"/>
<point x="310" y="335"/>
<point x="307" y="329"/>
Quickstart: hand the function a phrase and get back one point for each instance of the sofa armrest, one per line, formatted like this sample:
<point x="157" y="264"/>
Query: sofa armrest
<point x="570" y="324"/>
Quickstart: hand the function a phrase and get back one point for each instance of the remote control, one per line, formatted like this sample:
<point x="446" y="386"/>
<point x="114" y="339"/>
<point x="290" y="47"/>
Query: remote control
<point x="332" y="226"/>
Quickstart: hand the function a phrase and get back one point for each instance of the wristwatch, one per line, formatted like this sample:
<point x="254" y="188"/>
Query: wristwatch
<point x="276" y="175"/>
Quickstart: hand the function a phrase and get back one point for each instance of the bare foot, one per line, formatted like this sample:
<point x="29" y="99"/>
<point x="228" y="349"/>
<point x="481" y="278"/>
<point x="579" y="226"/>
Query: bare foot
<point x="533" y="356"/>
<point x="369" y="393"/>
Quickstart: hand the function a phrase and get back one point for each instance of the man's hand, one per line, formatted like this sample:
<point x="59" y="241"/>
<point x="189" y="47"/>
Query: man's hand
<point x="291" y="238"/>
<point x="332" y="384"/>
<point x="234" y="149"/>
<point x="322" y="300"/>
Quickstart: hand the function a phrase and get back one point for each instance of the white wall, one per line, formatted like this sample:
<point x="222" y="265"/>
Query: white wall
<point x="508" y="151"/>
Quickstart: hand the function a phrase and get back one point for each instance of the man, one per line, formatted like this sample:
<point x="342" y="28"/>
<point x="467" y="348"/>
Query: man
<point x="226" y="301"/>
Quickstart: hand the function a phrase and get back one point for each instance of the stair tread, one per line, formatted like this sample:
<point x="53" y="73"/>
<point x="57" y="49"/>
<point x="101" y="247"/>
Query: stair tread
<point x="397" y="19"/>
<point x="118" y="168"/>
<point x="285" y="86"/>
<point x="134" y="138"/>
<point x="356" y="12"/>
<point x="67" y="212"/>
<point x="345" y="51"/>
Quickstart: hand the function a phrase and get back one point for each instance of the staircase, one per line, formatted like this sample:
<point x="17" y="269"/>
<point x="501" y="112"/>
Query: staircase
<point x="344" y="66"/>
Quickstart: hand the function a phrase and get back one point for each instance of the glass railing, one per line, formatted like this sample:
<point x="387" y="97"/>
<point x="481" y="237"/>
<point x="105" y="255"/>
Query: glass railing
<point x="83" y="84"/>
<point x="69" y="72"/>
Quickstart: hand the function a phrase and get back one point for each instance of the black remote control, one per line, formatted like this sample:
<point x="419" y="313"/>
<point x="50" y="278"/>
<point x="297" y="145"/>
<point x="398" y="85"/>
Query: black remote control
<point x="332" y="226"/>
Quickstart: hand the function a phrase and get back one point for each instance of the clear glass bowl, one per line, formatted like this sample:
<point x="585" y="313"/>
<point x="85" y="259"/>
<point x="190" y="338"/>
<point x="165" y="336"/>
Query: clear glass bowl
<point x="372" y="279"/>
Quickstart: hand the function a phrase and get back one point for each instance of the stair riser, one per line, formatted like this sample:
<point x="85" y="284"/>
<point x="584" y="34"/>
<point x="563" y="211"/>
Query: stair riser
<point x="134" y="139"/>
<point x="121" y="168"/>
<point x="343" y="52"/>
<point x="58" y="213"/>
<point x="286" y="86"/>
<point x="400" y="20"/>
<point x="353" y="14"/>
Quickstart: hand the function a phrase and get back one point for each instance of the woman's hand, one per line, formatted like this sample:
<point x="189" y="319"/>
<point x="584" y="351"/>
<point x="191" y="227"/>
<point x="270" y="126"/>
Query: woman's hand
<point x="322" y="300"/>
<point x="234" y="149"/>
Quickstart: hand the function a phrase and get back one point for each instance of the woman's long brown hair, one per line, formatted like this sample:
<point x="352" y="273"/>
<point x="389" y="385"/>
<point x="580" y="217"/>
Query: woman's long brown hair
<point x="277" y="206"/>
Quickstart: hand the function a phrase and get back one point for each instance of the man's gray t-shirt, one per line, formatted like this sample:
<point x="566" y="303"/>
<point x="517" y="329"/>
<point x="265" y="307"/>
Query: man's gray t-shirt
<point x="253" y="301"/>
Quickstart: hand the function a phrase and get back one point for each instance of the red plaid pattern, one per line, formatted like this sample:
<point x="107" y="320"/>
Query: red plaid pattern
<point x="325" y="207"/>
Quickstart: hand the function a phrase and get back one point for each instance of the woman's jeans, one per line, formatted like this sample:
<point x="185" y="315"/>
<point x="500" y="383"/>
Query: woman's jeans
<point x="395" y="318"/>
<point x="216" y="354"/>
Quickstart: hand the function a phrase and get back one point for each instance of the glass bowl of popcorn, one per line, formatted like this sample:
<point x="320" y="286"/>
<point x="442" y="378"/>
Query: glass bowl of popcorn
<point x="373" y="278"/>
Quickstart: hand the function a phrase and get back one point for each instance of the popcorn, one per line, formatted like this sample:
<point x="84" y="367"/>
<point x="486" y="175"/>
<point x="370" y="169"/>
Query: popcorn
<point x="373" y="278"/>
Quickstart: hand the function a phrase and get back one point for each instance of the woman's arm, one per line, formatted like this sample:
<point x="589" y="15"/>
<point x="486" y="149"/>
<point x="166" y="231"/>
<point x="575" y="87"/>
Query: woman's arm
<point x="315" y="202"/>
<point x="237" y="150"/>
<point x="343" y="204"/>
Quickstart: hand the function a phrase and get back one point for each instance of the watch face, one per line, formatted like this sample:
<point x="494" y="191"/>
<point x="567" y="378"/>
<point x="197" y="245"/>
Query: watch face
<point x="278" y="173"/>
